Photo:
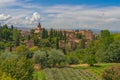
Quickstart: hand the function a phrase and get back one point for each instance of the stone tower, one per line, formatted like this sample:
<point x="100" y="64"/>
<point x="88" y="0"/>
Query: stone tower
<point x="89" y="35"/>
<point x="38" y="28"/>
<point x="39" y="25"/>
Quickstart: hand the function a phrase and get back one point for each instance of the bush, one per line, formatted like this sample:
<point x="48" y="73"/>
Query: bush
<point x="72" y="59"/>
<point x="53" y="58"/>
<point x="34" y="48"/>
<point x="56" y="57"/>
<point x="18" y="68"/>
<point x="21" y="48"/>
<point x="112" y="73"/>
<point x="40" y="57"/>
<point x="2" y="45"/>
<point x="22" y="51"/>
<point x="3" y="76"/>
<point x="90" y="59"/>
<point x="8" y="55"/>
<point x="112" y="54"/>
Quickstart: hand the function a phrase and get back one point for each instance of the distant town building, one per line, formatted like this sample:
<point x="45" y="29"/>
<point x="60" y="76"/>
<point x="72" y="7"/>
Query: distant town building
<point x="71" y="37"/>
<point x="83" y="32"/>
<point x="87" y="34"/>
<point x="72" y="43"/>
<point x="77" y="40"/>
<point x="61" y="44"/>
<point x="24" y="33"/>
<point x="72" y="40"/>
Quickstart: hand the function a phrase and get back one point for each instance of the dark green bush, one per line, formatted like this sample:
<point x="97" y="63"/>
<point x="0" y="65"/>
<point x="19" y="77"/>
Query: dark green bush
<point x="112" y="73"/>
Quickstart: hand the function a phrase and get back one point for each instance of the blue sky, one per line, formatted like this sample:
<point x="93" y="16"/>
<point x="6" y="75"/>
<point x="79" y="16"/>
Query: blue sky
<point x="78" y="2"/>
<point x="62" y="14"/>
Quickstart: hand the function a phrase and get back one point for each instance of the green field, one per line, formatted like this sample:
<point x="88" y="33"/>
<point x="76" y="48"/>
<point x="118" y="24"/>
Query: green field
<point x="76" y="73"/>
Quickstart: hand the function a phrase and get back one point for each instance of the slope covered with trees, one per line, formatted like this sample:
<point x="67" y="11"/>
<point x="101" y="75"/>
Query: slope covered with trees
<point x="18" y="61"/>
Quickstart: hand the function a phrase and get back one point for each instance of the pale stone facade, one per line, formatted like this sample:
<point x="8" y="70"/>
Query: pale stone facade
<point x="88" y="34"/>
<point x="24" y="33"/>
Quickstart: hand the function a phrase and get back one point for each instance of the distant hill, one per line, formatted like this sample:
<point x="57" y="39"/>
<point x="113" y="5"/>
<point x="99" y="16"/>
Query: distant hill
<point x="94" y="30"/>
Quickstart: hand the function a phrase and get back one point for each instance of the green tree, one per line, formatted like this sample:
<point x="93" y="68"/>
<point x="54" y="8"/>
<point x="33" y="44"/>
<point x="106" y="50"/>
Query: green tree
<point x="16" y="37"/>
<point x="112" y="54"/>
<point x="44" y="33"/>
<point x="57" y="43"/>
<point x="12" y="27"/>
<point x="21" y="48"/>
<point x="5" y="26"/>
<point x="2" y="45"/>
<point x="9" y="45"/>
<point x="18" y="68"/>
<point x="5" y="77"/>
<point x="82" y="44"/>
<point x="24" y="52"/>
<point x="36" y="40"/>
<point x="72" y="58"/>
<point x="105" y="40"/>
<point x="40" y="57"/>
<point x="51" y="33"/>
<point x="34" y="48"/>
<point x="90" y="59"/>
<point x="7" y="34"/>
<point x="56" y="57"/>
<point x="44" y="43"/>
<point x="90" y="53"/>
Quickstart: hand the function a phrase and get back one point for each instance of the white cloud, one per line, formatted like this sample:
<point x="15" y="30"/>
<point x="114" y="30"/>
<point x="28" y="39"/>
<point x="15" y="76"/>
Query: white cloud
<point x="35" y="17"/>
<point x="62" y="16"/>
<point x="4" y="17"/>
<point x="84" y="17"/>
<point x="6" y="1"/>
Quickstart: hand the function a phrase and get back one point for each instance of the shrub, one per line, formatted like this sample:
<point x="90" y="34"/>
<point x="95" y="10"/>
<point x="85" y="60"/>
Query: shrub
<point x="21" y="48"/>
<point x="40" y="57"/>
<point x="112" y="73"/>
<point x="112" y="54"/>
<point x="20" y="69"/>
<point x="8" y="55"/>
<point x="34" y="48"/>
<point x="53" y="58"/>
<point x="72" y="59"/>
<point x="3" y="76"/>
<point x="90" y="59"/>
<point x="56" y="57"/>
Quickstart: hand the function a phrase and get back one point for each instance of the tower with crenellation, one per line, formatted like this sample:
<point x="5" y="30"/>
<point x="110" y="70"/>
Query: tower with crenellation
<point x="88" y="34"/>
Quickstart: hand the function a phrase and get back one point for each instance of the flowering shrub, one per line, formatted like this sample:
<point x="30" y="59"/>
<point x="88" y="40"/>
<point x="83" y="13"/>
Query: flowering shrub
<point x="112" y="73"/>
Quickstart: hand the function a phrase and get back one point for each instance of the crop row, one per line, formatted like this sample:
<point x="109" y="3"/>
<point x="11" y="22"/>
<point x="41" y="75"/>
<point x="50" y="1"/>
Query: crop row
<point x="69" y="74"/>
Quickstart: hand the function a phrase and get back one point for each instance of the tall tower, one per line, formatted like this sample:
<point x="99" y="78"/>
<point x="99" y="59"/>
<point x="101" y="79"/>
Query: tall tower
<point x="89" y="35"/>
<point x="39" y="25"/>
<point x="38" y="28"/>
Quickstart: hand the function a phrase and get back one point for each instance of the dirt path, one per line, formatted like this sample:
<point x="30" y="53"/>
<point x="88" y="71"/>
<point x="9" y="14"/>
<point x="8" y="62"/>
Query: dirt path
<point x="77" y="65"/>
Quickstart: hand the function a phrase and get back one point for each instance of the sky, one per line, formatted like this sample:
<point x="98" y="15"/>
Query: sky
<point x="62" y="14"/>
